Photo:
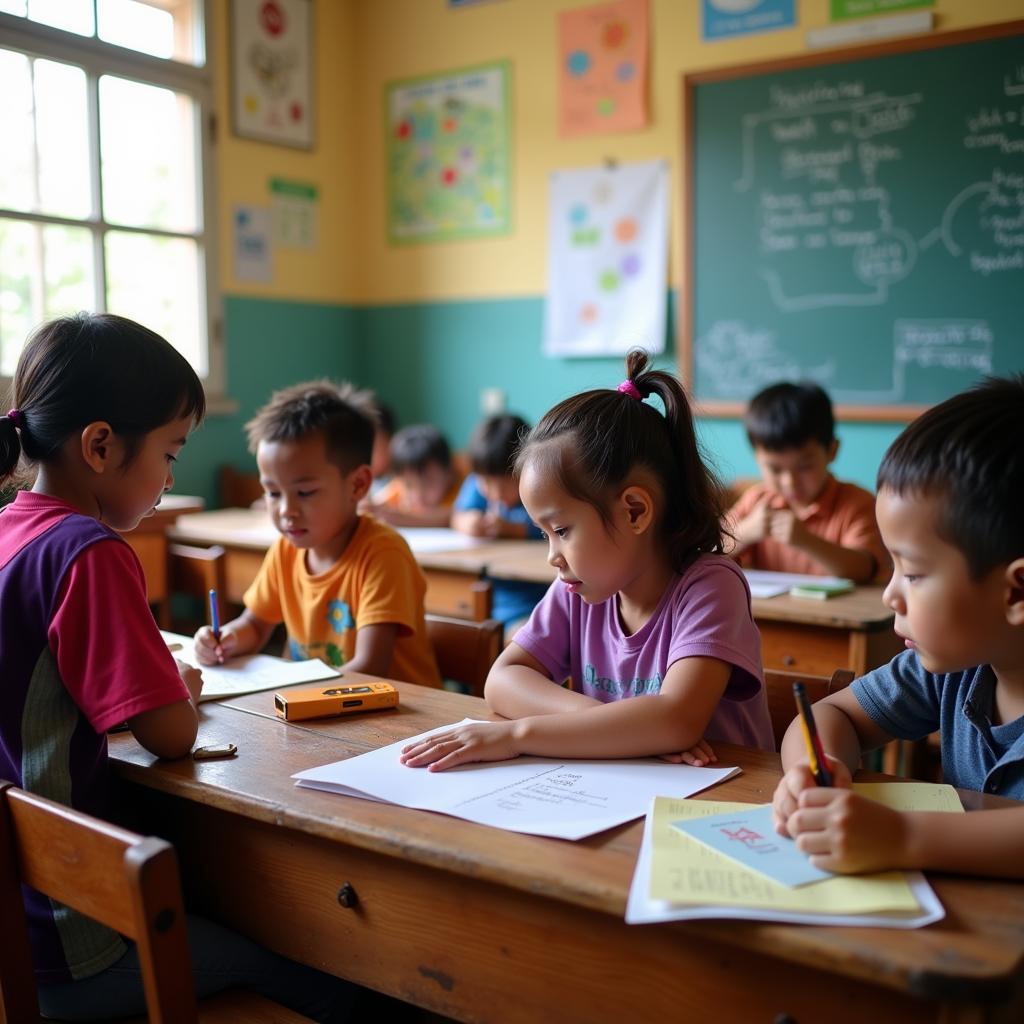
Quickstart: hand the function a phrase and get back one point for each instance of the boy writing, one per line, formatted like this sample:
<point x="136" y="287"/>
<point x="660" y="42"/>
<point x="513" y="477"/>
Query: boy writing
<point x="950" y="494"/>
<point x="346" y="587"/>
<point x="425" y="484"/>
<point x="800" y="518"/>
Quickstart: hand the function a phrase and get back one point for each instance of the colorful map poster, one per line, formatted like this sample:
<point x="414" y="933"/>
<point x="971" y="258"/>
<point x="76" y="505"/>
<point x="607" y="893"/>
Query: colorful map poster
<point x="603" y="70"/>
<point x="723" y="18"/>
<point x="448" y="155"/>
<point x="607" y="260"/>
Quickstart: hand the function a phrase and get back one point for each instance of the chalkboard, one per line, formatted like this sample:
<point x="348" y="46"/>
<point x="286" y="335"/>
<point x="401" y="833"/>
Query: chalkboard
<point x="856" y="217"/>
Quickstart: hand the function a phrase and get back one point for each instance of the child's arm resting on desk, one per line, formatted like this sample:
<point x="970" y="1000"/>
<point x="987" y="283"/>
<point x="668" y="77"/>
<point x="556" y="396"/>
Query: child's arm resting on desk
<point x="243" y="635"/>
<point x="375" y="649"/>
<point x="665" y="723"/>
<point x="170" y="730"/>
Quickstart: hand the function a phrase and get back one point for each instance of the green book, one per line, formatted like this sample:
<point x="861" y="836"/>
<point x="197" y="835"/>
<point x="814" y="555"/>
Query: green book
<point x="821" y="591"/>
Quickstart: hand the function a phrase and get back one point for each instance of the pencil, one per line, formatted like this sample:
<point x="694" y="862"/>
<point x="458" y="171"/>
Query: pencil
<point x="815" y="752"/>
<point x="214" y="615"/>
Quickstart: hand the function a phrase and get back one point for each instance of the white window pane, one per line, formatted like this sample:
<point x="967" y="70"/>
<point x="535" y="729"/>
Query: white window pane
<point x="164" y="28"/>
<point x="71" y="15"/>
<point x="17" y="164"/>
<point x="156" y="281"/>
<point x="147" y="148"/>
<point x="45" y="271"/>
<point x="19" y="7"/>
<point x="62" y="136"/>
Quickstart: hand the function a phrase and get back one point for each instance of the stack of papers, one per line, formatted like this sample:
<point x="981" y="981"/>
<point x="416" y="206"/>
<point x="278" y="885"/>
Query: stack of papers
<point x="770" y="584"/>
<point x="680" y="877"/>
<point x="424" y="540"/>
<point x="539" y="796"/>
<point x="250" y="673"/>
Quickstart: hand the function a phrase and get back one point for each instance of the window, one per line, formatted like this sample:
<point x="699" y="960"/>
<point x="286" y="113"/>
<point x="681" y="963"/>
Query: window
<point x="105" y="197"/>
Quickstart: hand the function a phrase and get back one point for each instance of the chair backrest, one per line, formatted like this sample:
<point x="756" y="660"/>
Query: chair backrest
<point x="125" y="881"/>
<point x="465" y="651"/>
<point x="779" y="689"/>
<point x="458" y="595"/>
<point x="196" y="571"/>
<point x="237" y="489"/>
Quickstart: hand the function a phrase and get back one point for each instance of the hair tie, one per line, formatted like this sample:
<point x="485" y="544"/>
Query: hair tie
<point x="627" y="387"/>
<point x="16" y="417"/>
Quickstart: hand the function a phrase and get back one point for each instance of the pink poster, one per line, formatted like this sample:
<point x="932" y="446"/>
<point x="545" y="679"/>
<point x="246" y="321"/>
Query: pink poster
<point x="603" y="73"/>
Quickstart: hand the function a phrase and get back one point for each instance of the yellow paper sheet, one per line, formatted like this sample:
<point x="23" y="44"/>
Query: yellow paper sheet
<point x="684" y="870"/>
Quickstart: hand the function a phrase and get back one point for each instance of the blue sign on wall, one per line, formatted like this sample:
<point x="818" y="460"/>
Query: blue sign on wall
<point x="722" y="18"/>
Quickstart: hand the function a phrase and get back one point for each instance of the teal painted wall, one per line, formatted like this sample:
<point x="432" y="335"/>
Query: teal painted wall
<point x="269" y="345"/>
<point x="431" y="360"/>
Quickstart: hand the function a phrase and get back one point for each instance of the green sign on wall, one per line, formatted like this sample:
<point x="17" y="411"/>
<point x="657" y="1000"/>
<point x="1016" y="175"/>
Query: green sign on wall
<point x="842" y="9"/>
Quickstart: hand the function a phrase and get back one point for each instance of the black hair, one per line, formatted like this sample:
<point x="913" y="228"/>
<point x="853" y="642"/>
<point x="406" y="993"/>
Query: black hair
<point x="416" y="447"/>
<point x="788" y="416"/>
<point x="593" y="441"/>
<point x="344" y="415"/>
<point x="969" y="453"/>
<point x="493" y="444"/>
<point x="385" y="418"/>
<point x="91" y="367"/>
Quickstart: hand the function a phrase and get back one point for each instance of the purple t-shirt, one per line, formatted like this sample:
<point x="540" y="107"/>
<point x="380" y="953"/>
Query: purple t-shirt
<point x="703" y="613"/>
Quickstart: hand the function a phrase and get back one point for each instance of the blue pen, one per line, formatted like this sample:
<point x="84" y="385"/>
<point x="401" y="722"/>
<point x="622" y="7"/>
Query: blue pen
<point x="214" y="615"/>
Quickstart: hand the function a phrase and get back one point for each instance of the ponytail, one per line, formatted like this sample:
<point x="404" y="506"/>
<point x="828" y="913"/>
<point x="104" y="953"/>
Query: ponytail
<point x="10" y="446"/>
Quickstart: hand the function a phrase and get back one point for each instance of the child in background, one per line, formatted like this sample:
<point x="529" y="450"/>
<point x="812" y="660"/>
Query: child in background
<point x="950" y="494"/>
<point x="380" y="459"/>
<point x="488" y="505"/>
<point x="425" y="484"/>
<point x="346" y="587"/>
<point x="102" y="406"/>
<point x="649" y="621"/>
<point x="800" y="518"/>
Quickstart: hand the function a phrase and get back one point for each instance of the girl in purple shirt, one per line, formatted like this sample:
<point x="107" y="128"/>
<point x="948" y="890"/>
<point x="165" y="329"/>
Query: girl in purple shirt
<point x="645" y="604"/>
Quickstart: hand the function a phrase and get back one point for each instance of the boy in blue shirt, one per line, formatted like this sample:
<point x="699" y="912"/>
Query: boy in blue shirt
<point x="951" y="511"/>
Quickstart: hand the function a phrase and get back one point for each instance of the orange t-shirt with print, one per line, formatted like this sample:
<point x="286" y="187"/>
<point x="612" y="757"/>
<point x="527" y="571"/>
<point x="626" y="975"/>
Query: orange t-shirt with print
<point x="394" y="494"/>
<point x="375" y="581"/>
<point x="843" y="514"/>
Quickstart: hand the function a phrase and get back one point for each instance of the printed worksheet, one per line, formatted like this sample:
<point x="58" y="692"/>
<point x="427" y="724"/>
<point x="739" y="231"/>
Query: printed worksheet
<point x="540" y="796"/>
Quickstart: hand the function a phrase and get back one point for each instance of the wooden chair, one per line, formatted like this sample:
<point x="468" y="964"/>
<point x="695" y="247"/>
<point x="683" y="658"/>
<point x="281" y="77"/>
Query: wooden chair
<point x="457" y="595"/>
<point x="465" y="651"/>
<point x="194" y="570"/>
<point x="236" y="489"/>
<point x="125" y="881"/>
<point x="779" y="689"/>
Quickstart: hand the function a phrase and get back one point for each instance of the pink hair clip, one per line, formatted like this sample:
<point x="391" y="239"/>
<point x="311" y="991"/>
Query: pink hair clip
<point x="627" y="387"/>
<point x="14" y="415"/>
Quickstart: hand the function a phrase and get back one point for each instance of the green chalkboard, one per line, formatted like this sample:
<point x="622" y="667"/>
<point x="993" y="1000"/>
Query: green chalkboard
<point x="856" y="217"/>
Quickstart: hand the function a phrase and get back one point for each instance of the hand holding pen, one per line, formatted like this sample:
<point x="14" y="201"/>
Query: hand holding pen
<point x="213" y="645"/>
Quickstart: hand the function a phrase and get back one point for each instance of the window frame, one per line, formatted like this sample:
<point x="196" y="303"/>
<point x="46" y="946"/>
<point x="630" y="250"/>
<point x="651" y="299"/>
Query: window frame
<point x="97" y="58"/>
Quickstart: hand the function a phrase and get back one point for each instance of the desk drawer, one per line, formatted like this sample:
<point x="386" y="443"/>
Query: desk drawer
<point x="812" y="649"/>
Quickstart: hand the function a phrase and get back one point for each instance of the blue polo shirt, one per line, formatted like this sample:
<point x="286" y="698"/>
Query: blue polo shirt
<point x="909" y="703"/>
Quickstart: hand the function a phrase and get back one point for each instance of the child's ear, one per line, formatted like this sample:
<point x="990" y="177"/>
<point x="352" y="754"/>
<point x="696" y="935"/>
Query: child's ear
<point x="98" y="445"/>
<point x="360" y="479"/>
<point x="639" y="508"/>
<point x="832" y="450"/>
<point x="1015" y="592"/>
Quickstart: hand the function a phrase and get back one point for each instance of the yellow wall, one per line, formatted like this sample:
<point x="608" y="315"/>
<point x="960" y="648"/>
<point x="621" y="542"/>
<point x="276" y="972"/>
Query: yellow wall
<point x="324" y="274"/>
<point x="403" y="38"/>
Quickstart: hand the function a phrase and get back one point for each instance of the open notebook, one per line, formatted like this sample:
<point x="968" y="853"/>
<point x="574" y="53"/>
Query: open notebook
<point x="250" y="673"/>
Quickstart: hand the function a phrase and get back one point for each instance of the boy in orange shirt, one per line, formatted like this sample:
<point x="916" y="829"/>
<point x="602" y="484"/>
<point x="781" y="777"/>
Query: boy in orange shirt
<point x="800" y="518"/>
<point x="346" y="587"/>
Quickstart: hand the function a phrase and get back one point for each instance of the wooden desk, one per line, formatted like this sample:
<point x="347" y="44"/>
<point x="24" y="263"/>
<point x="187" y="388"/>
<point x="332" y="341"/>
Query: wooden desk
<point x="149" y="541"/>
<point x="485" y="925"/>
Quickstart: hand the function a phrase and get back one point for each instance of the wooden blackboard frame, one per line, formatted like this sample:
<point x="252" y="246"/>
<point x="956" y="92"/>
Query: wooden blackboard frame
<point x="879" y="413"/>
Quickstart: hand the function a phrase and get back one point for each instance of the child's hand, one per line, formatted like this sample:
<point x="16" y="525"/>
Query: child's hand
<point x="786" y="527"/>
<point x="491" y="525"/>
<point x="699" y="755"/>
<point x="211" y="652"/>
<point x="754" y="527"/>
<point x="482" y="741"/>
<point x="842" y="831"/>
<point x="192" y="678"/>
<point x="796" y="781"/>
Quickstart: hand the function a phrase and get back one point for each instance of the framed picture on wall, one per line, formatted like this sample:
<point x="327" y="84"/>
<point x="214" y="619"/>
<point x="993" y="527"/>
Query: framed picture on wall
<point x="272" y="71"/>
<point x="449" y="155"/>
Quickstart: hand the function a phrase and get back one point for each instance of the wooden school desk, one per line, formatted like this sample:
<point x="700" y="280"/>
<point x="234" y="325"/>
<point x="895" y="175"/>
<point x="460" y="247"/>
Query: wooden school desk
<point x="149" y="541"/>
<point x="485" y="925"/>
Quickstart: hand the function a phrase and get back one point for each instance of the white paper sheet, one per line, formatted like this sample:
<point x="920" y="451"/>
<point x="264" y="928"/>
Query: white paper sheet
<point x="770" y="584"/>
<point x="641" y="909"/>
<point x="423" y="539"/>
<point x="539" y="796"/>
<point x="250" y="673"/>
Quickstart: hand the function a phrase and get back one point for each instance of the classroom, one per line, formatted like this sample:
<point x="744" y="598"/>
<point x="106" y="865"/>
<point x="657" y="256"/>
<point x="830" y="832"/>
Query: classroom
<point x="828" y="191"/>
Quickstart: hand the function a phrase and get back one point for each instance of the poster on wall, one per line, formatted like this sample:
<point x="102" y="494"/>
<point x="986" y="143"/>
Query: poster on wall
<point x="449" y="155"/>
<point x="843" y="9"/>
<point x="607" y="260"/>
<point x="603" y="68"/>
<point x="724" y="18"/>
<point x="272" y="71"/>
<point x="253" y="257"/>
<point x="295" y="213"/>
